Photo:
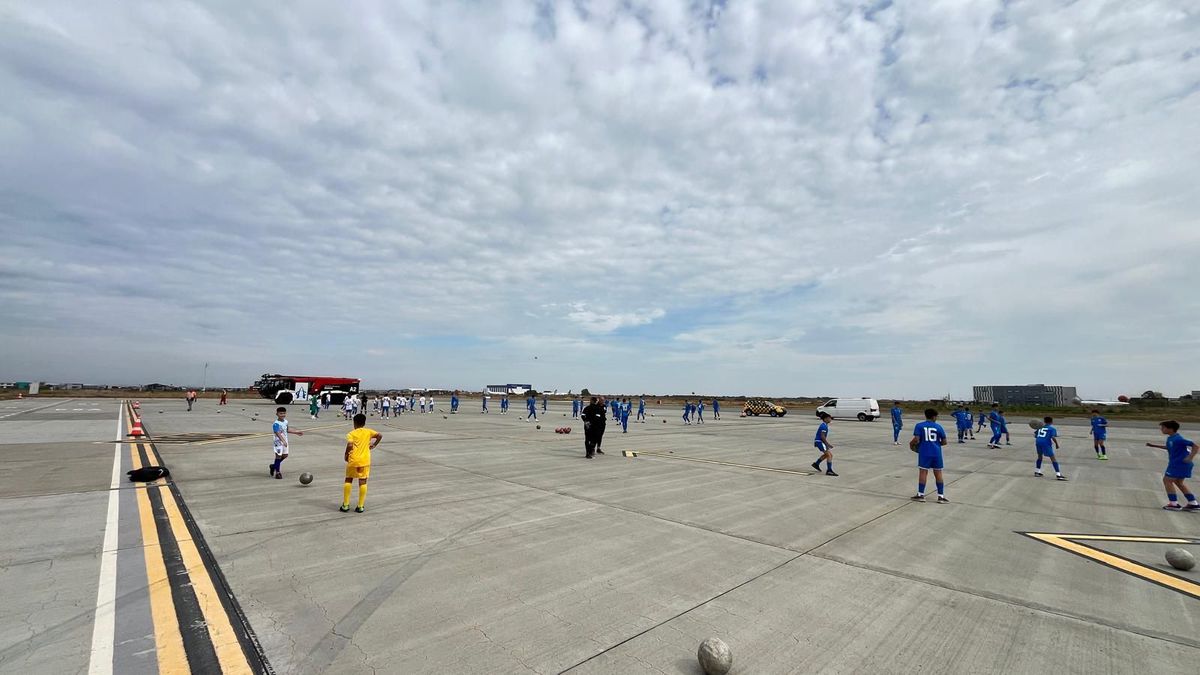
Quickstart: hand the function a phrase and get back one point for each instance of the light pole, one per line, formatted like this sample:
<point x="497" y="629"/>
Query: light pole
<point x="204" y="382"/>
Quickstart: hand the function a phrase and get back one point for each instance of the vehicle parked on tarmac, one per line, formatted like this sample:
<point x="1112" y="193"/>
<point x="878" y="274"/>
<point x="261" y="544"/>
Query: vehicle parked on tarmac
<point x="862" y="409"/>
<point x="284" y="389"/>
<point x="758" y="406"/>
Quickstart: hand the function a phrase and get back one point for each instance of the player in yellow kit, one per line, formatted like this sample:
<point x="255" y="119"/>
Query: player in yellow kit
<point x="359" y="444"/>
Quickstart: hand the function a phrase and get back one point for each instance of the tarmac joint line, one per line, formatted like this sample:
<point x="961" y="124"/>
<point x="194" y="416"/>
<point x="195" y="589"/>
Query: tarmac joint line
<point x="643" y="453"/>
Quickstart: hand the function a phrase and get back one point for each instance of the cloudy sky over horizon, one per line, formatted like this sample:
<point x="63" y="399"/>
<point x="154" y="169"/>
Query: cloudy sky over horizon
<point x="794" y="197"/>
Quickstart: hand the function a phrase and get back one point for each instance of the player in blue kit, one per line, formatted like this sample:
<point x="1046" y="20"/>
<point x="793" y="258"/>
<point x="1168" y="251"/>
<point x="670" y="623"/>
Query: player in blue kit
<point x="970" y="419"/>
<point x="928" y="440"/>
<point x="687" y="412"/>
<point x="982" y="419"/>
<point x="716" y="409"/>
<point x="994" y="420"/>
<point x="700" y="411"/>
<point x="821" y="442"/>
<point x="897" y="422"/>
<point x="1099" y="434"/>
<point x="1004" y="428"/>
<point x="1181" y="453"/>
<point x="641" y="414"/>
<point x="626" y="408"/>
<point x="575" y="407"/>
<point x="1046" y="442"/>
<point x="961" y="423"/>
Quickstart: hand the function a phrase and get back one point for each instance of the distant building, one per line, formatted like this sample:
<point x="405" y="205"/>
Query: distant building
<point x="507" y="389"/>
<point x="1025" y="394"/>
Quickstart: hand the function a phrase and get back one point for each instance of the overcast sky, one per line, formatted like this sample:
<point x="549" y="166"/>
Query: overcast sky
<point x="791" y="197"/>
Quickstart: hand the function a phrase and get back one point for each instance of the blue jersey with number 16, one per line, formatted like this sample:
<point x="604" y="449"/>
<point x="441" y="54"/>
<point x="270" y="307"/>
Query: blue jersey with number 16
<point x="931" y="436"/>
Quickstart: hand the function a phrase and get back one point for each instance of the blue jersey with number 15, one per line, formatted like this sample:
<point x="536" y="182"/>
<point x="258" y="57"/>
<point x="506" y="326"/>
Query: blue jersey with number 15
<point x="1044" y="436"/>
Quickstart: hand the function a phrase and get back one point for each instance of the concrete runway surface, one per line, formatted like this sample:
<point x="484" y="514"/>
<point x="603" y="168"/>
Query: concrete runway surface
<point x="490" y="546"/>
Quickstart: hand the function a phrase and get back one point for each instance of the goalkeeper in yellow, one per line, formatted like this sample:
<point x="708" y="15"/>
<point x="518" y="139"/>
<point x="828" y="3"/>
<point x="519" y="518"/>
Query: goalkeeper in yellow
<point x="359" y="444"/>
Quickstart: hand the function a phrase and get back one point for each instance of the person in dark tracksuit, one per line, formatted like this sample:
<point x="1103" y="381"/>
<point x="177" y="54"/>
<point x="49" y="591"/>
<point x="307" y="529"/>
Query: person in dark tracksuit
<point x="593" y="427"/>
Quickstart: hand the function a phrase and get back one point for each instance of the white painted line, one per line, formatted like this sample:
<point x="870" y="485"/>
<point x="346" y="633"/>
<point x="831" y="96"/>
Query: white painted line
<point x="103" y="629"/>
<point x="29" y="410"/>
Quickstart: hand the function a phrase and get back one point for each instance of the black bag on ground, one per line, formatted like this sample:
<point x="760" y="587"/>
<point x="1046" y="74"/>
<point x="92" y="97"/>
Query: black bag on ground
<point x="148" y="474"/>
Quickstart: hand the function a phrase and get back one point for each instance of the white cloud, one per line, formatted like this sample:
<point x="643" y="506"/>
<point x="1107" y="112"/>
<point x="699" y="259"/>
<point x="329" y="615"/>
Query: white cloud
<point x="600" y="322"/>
<point x="849" y="193"/>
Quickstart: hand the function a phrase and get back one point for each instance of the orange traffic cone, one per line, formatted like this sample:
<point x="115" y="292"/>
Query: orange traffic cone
<point x="137" y="405"/>
<point x="137" y="431"/>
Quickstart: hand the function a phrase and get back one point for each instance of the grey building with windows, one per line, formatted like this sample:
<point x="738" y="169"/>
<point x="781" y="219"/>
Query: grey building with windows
<point x="1025" y="394"/>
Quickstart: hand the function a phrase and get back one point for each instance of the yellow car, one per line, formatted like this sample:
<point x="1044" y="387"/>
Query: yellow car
<point x="758" y="406"/>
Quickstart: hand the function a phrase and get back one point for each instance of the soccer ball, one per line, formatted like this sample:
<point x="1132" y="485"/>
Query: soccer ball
<point x="306" y="478"/>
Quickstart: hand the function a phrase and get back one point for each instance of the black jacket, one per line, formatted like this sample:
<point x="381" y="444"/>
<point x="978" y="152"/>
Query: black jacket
<point x="593" y="414"/>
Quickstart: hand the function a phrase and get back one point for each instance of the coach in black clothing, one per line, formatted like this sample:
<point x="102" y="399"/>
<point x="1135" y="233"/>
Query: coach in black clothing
<point x="593" y="427"/>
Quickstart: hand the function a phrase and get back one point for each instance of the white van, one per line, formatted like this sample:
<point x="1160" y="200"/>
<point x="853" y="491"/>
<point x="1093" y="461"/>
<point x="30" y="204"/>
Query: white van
<point x="862" y="409"/>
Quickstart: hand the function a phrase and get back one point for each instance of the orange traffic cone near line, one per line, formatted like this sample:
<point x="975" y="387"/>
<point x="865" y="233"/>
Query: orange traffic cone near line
<point x="137" y="431"/>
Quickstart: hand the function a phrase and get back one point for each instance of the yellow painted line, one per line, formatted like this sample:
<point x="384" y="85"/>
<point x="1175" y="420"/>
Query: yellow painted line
<point x="1119" y="563"/>
<point x="168" y="641"/>
<point x="263" y="435"/>
<point x="224" y="639"/>
<point x="1105" y="537"/>
<point x="642" y="453"/>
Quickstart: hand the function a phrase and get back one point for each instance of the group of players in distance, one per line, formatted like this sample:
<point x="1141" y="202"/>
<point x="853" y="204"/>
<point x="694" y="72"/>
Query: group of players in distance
<point x="929" y="438"/>
<point x="927" y="441"/>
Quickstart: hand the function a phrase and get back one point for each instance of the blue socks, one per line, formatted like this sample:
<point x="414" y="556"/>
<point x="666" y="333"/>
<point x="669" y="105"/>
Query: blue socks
<point x="1055" y="464"/>
<point x="278" y="463"/>
<point x="829" y="465"/>
<point x="1039" y="461"/>
<point x="941" y="488"/>
<point x="1172" y="497"/>
<point x="1190" y="497"/>
<point x="920" y="488"/>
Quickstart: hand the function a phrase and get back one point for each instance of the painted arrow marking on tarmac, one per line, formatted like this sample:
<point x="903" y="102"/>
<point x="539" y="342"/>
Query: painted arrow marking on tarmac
<point x="643" y="453"/>
<point x="1071" y="543"/>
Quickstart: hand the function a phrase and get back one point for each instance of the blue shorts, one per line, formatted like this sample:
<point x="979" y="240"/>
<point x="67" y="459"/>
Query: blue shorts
<point x="1047" y="452"/>
<point x="1178" y="470"/>
<point x="1101" y="436"/>
<point x="897" y="426"/>
<point x="819" y="446"/>
<point x="929" y="460"/>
